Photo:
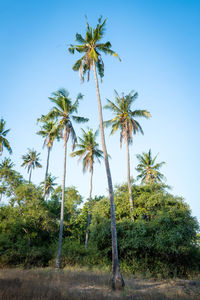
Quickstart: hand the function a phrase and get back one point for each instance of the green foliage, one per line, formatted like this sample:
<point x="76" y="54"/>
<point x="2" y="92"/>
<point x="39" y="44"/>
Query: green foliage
<point x="73" y="252"/>
<point x="161" y="240"/>
<point x="26" y="229"/>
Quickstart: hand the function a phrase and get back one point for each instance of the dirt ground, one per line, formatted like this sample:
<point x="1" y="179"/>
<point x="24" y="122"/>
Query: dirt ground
<point x="75" y="284"/>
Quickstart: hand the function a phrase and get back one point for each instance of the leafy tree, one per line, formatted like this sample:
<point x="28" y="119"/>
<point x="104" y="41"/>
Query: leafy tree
<point x="88" y="152"/>
<point x="92" y="47"/>
<point x="147" y="168"/>
<point x="9" y="178"/>
<point x="3" y="141"/>
<point x="27" y="230"/>
<point x="125" y="121"/>
<point x="31" y="161"/>
<point x="63" y="112"/>
<point x="162" y="240"/>
<point x="49" y="131"/>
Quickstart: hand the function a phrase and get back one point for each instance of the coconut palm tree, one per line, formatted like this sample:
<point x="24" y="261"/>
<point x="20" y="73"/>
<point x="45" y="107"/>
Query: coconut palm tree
<point x="49" y="131"/>
<point x="63" y="113"/>
<point x="147" y="168"/>
<point x="48" y="184"/>
<point x="31" y="161"/>
<point x="3" y="141"/>
<point x="88" y="151"/>
<point x="91" y="47"/>
<point x="125" y="121"/>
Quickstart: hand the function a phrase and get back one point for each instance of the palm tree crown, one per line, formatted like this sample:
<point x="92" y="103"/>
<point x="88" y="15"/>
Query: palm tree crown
<point x="3" y="141"/>
<point x="124" y="119"/>
<point x="147" y="168"/>
<point x="49" y="131"/>
<point x="92" y="49"/>
<point x="63" y="111"/>
<point x="31" y="161"/>
<point x="88" y="149"/>
<point x="49" y="184"/>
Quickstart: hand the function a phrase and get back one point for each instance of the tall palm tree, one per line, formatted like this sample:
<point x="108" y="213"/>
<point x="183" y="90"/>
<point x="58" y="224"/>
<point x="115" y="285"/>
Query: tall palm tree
<point x="88" y="151"/>
<point x="3" y="141"/>
<point x="124" y="121"/>
<point x="48" y="184"/>
<point x="49" y="131"/>
<point x="92" y="47"/>
<point x="31" y="161"/>
<point x="63" y="113"/>
<point x="147" y="168"/>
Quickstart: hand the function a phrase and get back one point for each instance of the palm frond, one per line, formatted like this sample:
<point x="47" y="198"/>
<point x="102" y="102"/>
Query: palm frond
<point x="80" y="39"/>
<point x="111" y="106"/>
<point x="141" y="113"/>
<point x="80" y="119"/>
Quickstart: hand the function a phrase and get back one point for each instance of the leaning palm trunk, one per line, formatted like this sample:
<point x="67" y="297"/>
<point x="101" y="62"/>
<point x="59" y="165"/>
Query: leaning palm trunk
<point x="116" y="277"/>
<point x="58" y="258"/>
<point x="129" y="177"/>
<point x="46" y="174"/>
<point x="89" y="213"/>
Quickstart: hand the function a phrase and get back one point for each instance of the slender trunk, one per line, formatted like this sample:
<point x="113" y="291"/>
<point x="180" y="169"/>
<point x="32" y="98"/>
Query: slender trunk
<point x="128" y="175"/>
<point x="89" y="213"/>
<point x="148" y="177"/>
<point x="58" y="258"/>
<point x="116" y="277"/>
<point x="29" y="181"/>
<point x="46" y="174"/>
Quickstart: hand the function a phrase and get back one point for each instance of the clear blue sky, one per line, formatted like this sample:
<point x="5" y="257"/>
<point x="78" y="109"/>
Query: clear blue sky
<point x="159" y="43"/>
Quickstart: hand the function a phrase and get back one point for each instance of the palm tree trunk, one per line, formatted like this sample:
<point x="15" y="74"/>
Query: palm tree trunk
<point x="116" y="277"/>
<point x="89" y="214"/>
<point x="46" y="174"/>
<point x="29" y="181"/>
<point x="58" y="258"/>
<point x="128" y="175"/>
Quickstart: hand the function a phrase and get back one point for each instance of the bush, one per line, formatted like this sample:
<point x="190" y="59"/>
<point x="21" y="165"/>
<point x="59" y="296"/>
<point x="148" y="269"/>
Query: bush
<point x="163" y="247"/>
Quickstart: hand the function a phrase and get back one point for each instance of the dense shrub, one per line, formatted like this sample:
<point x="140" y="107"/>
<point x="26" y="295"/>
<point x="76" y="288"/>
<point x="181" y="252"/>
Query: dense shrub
<point x="163" y="242"/>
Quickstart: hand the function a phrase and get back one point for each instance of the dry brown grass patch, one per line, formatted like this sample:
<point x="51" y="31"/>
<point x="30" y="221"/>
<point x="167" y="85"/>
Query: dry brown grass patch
<point x="75" y="284"/>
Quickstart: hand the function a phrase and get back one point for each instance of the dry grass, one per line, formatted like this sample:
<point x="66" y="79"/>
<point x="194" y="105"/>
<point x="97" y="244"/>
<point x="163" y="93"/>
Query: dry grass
<point x="74" y="284"/>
